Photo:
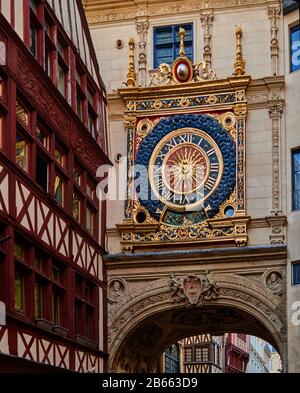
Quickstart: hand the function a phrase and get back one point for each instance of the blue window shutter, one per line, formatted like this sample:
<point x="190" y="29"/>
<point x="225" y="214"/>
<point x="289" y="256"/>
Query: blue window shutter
<point x="295" y="48"/>
<point x="296" y="273"/>
<point x="296" y="179"/>
<point x="167" y="42"/>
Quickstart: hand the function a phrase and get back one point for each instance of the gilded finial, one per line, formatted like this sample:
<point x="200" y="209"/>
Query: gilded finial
<point x="182" y="35"/>
<point x="131" y="75"/>
<point x="240" y="63"/>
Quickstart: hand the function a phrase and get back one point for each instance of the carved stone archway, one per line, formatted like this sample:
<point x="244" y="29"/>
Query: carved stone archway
<point x="151" y="317"/>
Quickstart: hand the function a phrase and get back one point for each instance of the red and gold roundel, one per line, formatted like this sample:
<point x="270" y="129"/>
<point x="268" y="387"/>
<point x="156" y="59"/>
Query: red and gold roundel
<point x="182" y="70"/>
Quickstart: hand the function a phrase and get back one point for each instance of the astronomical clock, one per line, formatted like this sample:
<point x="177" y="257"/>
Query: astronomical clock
<point x="186" y="156"/>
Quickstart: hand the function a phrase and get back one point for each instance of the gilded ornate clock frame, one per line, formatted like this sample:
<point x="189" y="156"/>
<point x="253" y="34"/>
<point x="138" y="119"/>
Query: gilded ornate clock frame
<point x="193" y="102"/>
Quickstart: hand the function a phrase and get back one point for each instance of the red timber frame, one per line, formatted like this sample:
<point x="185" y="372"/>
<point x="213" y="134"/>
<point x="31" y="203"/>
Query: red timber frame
<point x="34" y="222"/>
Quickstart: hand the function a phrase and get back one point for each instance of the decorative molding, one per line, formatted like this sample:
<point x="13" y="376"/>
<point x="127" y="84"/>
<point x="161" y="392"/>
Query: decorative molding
<point x="275" y="113"/>
<point x="206" y="18"/>
<point x="142" y="25"/>
<point x="101" y="14"/>
<point x="274" y="13"/>
<point x="277" y="223"/>
<point x="194" y="290"/>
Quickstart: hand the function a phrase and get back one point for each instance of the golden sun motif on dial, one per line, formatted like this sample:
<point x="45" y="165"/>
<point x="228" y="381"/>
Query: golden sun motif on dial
<point x="185" y="169"/>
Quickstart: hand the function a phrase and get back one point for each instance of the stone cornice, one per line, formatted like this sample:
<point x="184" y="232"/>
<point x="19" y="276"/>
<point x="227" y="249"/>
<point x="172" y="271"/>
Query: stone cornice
<point x="119" y="11"/>
<point x="230" y="254"/>
<point x="265" y="91"/>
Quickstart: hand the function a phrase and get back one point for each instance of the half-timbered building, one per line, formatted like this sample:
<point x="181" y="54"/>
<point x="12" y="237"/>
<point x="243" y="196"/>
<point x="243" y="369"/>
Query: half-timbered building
<point x="52" y="140"/>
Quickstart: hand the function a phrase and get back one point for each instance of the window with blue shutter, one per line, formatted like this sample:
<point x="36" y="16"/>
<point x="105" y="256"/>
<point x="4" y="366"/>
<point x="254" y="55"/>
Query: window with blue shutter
<point x="296" y="273"/>
<point x="296" y="179"/>
<point x="167" y="43"/>
<point x="295" y="48"/>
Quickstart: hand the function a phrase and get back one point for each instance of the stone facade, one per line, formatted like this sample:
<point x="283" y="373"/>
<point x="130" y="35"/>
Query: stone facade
<point x="272" y="124"/>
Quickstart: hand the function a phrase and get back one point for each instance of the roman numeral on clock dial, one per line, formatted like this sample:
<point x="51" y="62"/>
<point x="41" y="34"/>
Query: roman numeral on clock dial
<point x="209" y="185"/>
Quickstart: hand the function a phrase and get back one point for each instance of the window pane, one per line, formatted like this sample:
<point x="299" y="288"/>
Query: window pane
<point x="59" y="190"/>
<point x="90" y="191"/>
<point x="61" y="77"/>
<point x="22" y="113"/>
<point x="42" y="138"/>
<point x="48" y="61"/>
<point x="56" y="307"/>
<point x="21" y="152"/>
<point x="295" y="49"/>
<point x="79" y="107"/>
<point x="19" y="291"/>
<point x="60" y="48"/>
<point x="296" y="273"/>
<point x="188" y="355"/>
<point x="89" y="220"/>
<point x="92" y="124"/>
<point x="56" y="271"/>
<point x="76" y="208"/>
<point x="76" y="176"/>
<point x="89" y="322"/>
<point x="296" y="179"/>
<point x="38" y="300"/>
<point x="19" y="250"/>
<point x="42" y="172"/>
<point x="39" y="261"/>
<point x="33" y="40"/>
<point x="59" y="157"/>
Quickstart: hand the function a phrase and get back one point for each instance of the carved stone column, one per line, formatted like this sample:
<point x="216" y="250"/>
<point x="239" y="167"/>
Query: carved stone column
<point x="240" y="111"/>
<point x="275" y="112"/>
<point x="274" y="13"/>
<point x="142" y="25"/>
<point x="130" y="122"/>
<point x="206" y="20"/>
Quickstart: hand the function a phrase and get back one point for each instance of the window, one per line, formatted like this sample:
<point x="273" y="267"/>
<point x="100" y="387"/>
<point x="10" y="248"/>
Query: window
<point x="56" y="307"/>
<point x="89" y="220"/>
<point x="85" y="308"/>
<point x="33" y="39"/>
<point x="19" y="290"/>
<point x="80" y="105"/>
<point x="188" y="355"/>
<point x="167" y="43"/>
<point x="22" y="113"/>
<point x="38" y="300"/>
<point x="61" y="80"/>
<point x="59" y="190"/>
<point x="22" y="152"/>
<point x="296" y="179"/>
<point x="296" y="273"/>
<point x="48" y="60"/>
<point x="295" y="48"/>
<point x="39" y="261"/>
<point x="201" y="354"/>
<point x="42" y="172"/>
<point x="42" y="138"/>
<point x="92" y="119"/>
<point x="76" y="207"/>
<point x="172" y="360"/>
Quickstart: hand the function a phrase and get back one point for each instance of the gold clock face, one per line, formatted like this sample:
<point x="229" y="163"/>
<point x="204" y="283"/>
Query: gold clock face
<point x="185" y="169"/>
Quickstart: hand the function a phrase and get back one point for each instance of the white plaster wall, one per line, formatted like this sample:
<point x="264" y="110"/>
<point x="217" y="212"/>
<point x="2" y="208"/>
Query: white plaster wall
<point x="113" y="62"/>
<point x="259" y="163"/>
<point x="256" y="41"/>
